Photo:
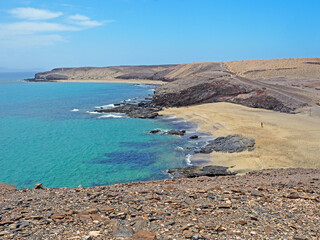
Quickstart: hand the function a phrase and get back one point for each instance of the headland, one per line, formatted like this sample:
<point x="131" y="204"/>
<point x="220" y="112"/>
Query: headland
<point x="276" y="102"/>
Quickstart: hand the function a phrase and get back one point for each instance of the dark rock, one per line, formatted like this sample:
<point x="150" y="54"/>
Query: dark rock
<point x="230" y="144"/>
<point x="155" y="131"/>
<point x="38" y="186"/>
<point x="198" y="171"/>
<point x="194" y="137"/>
<point x="177" y="132"/>
<point x="143" y="110"/>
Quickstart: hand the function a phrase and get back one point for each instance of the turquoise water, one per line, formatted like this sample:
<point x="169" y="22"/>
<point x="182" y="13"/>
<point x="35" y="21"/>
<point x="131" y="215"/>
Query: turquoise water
<point x="43" y="140"/>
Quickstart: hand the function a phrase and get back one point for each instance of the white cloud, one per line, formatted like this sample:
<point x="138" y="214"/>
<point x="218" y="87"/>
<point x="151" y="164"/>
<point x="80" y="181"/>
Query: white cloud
<point x="84" y="21"/>
<point x="79" y="17"/>
<point x="35" y="31"/>
<point x="34" y="13"/>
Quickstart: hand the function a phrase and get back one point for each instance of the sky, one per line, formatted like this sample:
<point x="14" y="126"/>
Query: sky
<point x="38" y="35"/>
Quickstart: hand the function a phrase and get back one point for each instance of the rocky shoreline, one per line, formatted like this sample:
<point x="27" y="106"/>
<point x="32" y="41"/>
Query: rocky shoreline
<point x="229" y="144"/>
<point x="267" y="204"/>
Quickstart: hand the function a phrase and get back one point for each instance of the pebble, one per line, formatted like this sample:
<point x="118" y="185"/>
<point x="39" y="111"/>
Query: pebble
<point x="267" y="204"/>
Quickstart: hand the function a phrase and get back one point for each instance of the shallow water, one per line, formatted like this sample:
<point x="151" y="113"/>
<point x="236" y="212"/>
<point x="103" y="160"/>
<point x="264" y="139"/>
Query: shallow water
<point x="48" y="135"/>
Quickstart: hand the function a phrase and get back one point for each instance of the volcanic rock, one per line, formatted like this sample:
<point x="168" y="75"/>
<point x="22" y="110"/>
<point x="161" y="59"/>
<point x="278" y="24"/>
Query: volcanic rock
<point x="230" y="144"/>
<point x="134" y="110"/>
<point x="197" y="171"/>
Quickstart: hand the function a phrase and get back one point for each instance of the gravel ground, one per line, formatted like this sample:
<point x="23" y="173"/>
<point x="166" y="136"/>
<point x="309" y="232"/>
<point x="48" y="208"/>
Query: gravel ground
<point x="267" y="204"/>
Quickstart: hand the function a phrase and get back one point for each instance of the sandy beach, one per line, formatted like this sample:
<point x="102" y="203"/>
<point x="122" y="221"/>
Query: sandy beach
<point x="143" y="81"/>
<point x="285" y="140"/>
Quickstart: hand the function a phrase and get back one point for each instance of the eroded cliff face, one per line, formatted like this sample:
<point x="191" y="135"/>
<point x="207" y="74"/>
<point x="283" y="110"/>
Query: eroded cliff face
<point x="176" y="94"/>
<point x="220" y="85"/>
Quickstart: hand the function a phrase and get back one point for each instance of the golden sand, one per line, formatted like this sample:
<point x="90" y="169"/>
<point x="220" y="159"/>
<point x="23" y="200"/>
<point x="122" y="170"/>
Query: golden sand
<point x="144" y="81"/>
<point x="285" y="140"/>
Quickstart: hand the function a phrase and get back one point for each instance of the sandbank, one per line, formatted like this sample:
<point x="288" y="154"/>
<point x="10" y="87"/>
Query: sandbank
<point x="285" y="140"/>
<point x="143" y="81"/>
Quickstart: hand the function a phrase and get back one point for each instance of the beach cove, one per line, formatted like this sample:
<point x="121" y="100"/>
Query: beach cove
<point x="63" y="142"/>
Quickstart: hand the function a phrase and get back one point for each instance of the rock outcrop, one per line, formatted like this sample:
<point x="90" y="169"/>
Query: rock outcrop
<point x="141" y="110"/>
<point x="199" y="171"/>
<point x="230" y="144"/>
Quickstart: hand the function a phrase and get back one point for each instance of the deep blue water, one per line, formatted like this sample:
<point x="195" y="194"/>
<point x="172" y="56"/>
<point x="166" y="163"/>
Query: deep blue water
<point x="47" y="135"/>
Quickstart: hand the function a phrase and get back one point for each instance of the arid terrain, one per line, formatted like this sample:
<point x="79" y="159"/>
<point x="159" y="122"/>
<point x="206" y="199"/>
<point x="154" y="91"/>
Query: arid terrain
<point x="275" y="102"/>
<point x="211" y="95"/>
<point x="268" y="204"/>
<point x="278" y="84"/>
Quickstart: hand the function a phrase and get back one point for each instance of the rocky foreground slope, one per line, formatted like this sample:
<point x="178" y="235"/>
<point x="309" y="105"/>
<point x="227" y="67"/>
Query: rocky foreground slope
<point x="268" y="204"/>
<point x="278" y="84"/>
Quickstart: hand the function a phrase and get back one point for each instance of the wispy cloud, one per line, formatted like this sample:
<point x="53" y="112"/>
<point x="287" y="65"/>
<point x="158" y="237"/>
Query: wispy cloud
<point x="35" y="29"/>
<point x="34" y="14"/>
<point x="85" y="21"/>
<point x="79" y="17"/>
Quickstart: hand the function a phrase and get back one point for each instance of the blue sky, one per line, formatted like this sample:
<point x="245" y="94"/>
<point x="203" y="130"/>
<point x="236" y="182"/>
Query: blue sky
<point x="38" y="35"/>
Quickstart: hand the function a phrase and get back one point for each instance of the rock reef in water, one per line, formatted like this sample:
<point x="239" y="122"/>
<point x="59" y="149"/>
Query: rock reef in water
<point x="170" y="132"/>
<point x="141" y="110"/>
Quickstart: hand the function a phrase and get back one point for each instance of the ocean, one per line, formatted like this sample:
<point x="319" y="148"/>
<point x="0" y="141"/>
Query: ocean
<point x="49" y="135"/>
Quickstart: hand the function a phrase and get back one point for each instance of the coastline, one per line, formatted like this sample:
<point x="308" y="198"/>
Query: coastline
<point x="142" y="81"/>
<point x="285" y="140"/>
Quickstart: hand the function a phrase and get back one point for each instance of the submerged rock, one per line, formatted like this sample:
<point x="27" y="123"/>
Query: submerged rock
<point x="170" y="132"/>
<point x="155" y="131"/>
<point x="177" y="132"/>
<point x="194" y="137"/>
<point x="230" y="144"/>
<point x="198" y="171"/>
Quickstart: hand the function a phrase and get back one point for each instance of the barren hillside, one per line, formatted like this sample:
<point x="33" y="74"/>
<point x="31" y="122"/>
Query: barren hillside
<point x="279" y="84"/>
